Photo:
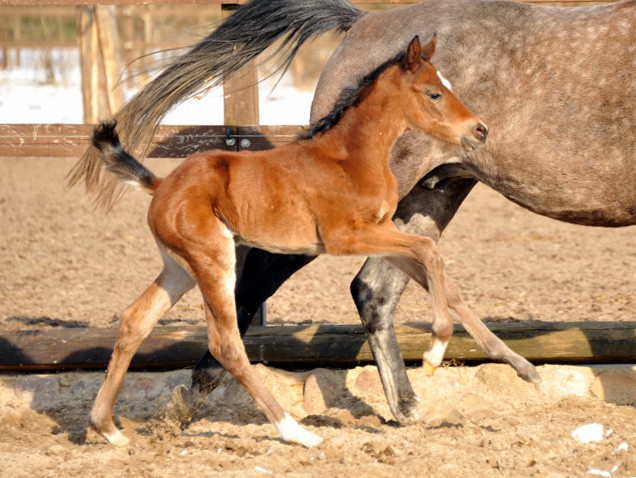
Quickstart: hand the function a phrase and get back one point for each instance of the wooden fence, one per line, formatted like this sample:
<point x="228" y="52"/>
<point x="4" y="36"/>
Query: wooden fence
<point x="304" y="345"/>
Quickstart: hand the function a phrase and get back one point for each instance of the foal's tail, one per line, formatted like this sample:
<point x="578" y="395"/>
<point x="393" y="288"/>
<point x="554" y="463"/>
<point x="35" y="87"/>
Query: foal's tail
<point x="116" y="160"/>
<point x="237" y="41"/>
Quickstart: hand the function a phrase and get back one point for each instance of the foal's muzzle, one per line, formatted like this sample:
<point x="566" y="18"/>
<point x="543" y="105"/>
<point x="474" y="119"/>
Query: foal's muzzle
<point x="476" y="139"/>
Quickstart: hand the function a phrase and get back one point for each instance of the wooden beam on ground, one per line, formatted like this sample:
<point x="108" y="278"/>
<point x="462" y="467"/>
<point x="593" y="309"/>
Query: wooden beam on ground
<point x="316" y="345"/>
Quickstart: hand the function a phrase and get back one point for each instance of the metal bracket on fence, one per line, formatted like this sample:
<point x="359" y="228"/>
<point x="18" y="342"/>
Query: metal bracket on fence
<point x="230" y="138"/>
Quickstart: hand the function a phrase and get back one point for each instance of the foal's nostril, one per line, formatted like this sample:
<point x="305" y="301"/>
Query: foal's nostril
<point x="481" y="132"/>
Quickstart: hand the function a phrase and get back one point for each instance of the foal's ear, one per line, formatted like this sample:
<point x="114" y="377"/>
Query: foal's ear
<point x="428" y="50"/>
<point x="413" y="55"/>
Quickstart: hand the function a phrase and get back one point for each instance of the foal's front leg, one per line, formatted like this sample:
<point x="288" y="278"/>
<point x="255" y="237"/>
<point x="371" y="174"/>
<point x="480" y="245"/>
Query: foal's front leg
<point x="420" y="259"/>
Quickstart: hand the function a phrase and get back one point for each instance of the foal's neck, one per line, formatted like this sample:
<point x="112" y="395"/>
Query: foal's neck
<point x="368" y="130"/>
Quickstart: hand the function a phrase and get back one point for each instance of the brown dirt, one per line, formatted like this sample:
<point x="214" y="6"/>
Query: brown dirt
<point x="63" y="267"/>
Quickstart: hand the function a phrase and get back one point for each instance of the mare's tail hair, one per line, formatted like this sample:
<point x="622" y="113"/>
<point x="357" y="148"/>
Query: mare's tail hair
<point x="237" y="41"/>
<point x="116" y="160"/>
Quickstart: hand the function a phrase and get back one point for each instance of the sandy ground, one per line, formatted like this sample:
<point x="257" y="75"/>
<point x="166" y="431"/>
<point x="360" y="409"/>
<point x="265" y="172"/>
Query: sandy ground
<point x="64" y="267"/>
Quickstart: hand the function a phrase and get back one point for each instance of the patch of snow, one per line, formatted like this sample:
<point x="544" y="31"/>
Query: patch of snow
<point x="590" y="433"/>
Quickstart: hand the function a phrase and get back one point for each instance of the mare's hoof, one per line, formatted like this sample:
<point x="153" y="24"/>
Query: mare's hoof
<point x="182" y="405"/>
<point x="410" y="411"/>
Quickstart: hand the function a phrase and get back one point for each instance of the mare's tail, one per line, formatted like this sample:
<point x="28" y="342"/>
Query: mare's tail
<point x="237" y="41"/>
<point x="116" y="160"/>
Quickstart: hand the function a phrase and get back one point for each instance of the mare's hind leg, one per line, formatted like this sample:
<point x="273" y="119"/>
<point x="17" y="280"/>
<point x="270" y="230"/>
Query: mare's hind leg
<point x="135" y="324"/>
<point x="212" y="260"/>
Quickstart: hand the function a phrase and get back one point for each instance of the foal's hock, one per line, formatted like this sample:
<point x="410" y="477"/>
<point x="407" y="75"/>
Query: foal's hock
<point x="330" y="192"/>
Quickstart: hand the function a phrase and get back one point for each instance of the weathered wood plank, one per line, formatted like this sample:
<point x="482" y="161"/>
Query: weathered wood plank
<point x="182" y="2"/>
<point x="326" y="345"/>
<point x="236" y="2"/>
<point x="63" y="140"/>
<point x="266" y="137"/>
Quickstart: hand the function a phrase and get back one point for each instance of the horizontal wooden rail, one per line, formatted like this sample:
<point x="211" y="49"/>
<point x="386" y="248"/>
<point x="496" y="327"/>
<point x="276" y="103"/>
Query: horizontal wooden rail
<point x="66" y="140"/>
<point x="235" y="2"/>
<point x="322" y="345"/>
<point x="173" y="2"/>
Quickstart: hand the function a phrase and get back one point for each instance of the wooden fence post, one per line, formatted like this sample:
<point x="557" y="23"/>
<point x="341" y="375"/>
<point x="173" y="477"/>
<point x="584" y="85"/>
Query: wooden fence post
<point x="89" y="58"/>
<point x="240" y="93"/>
<point x="99" y="56"/>
<point x="109" y="46"/>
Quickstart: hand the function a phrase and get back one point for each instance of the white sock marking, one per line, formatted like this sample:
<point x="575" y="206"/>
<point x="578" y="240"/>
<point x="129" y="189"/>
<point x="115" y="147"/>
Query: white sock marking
<point x="292" y="432"/>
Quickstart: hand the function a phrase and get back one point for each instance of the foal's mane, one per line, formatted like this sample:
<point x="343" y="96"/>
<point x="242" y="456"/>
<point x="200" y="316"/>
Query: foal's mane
<point x="350" y="97"/>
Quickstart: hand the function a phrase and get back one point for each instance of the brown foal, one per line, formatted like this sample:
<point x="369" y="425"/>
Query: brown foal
<point x="329" y="192"/>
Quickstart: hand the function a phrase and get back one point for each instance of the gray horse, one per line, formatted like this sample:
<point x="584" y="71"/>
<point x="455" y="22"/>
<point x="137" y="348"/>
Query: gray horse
<point x="557" y="87"/>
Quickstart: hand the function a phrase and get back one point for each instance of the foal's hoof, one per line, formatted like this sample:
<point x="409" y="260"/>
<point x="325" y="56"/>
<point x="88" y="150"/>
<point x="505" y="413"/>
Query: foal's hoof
<point x="118" y="439"/>
<point x="292" y="432"/>
<point x="113" y="435"/>
<point x="529" y="374"/>
<point x="429" y="368"/>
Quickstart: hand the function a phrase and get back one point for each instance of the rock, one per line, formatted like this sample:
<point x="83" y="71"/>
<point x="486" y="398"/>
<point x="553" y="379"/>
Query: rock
<point x="58" y="450"/>
<point x="562" y="380"/>
<point x="320" y="392"/>
<point x="369" y="382"/>
<point x="616" y="386"/>
<point x="86" y="388"/>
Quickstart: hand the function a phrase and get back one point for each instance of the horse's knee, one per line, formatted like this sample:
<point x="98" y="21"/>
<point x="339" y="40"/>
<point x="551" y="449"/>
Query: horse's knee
<point x="443" y="330"/>
<point x="429" y="255"/>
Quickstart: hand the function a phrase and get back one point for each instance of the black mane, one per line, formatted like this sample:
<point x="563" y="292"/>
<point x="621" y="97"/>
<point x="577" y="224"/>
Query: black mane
<point x="349" y="97"/>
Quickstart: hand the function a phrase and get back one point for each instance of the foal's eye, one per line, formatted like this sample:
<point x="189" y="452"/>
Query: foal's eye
<point x="435" y="96"/>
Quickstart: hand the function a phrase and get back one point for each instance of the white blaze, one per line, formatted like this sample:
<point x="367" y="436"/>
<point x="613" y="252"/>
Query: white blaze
<point x="445" y="82"/>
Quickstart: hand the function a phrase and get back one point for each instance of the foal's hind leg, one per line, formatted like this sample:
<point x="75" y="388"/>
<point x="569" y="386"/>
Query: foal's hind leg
<point x="135" y="324"/>
<point x="212" y="262"/>
<point x="263" y="273"/>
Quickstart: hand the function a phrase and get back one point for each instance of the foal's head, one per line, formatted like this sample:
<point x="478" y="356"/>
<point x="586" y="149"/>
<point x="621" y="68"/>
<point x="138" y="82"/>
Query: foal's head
<point x="431" y="106"/>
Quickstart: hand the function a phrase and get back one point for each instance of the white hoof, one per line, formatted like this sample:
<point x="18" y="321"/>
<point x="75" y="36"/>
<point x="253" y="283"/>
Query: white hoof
<point x="292" y="432"/>
<point x="117" y="438"/>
